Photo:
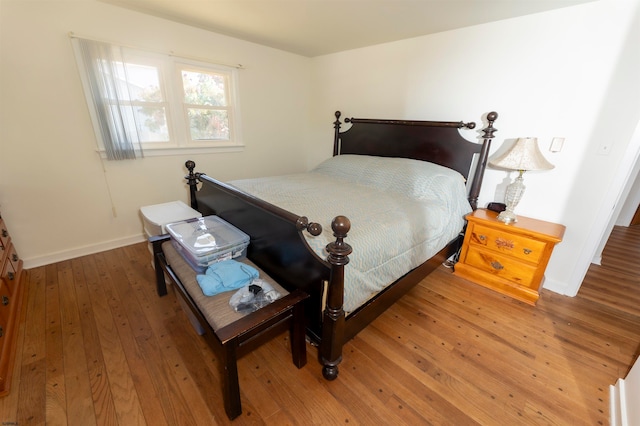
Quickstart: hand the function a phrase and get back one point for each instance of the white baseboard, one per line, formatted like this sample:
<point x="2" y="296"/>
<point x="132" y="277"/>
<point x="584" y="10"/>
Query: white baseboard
<point x="557" y="287"/>
<point x="35" y="262"/>
<point x="618" y="415"/>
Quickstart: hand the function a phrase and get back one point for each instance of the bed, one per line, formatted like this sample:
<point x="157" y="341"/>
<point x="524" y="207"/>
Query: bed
<point x="396" y="162"/>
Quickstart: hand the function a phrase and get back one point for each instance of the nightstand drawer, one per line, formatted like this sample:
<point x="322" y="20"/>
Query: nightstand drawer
<point x="501" y="266"/>
<point x="4" y="253"/>
<point x="509" y="244"/>
<point x="10" y="276"/>
<point x="14" y="258"/>
<point x="4" y="234"/>
<point x="5" y="303"/>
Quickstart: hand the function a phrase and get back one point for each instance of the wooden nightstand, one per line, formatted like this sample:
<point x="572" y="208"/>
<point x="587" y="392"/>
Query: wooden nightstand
<point x="510" y="259"/>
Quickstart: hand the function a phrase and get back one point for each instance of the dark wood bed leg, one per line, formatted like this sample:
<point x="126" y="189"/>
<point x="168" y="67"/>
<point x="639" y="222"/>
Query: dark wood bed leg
<point x="334" y="319"/>
<point x="192" y="180"/>
<point x="156" y="244"/>
<point x="476" y="184"/>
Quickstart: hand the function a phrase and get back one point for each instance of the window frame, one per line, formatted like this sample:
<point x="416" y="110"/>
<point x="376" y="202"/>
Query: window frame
<point x="230" y="76"/>
<point x="156" y="61"/>
<point x="169" y="67"/>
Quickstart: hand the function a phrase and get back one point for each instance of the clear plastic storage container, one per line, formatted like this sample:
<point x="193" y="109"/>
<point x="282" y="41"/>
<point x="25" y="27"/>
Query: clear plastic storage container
<point x="206" y="240"/>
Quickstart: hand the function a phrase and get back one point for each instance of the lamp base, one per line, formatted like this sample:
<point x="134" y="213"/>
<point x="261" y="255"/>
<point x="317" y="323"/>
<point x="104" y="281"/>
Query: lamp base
<point x="507" y="217"/>
<point x="512" y="197"/>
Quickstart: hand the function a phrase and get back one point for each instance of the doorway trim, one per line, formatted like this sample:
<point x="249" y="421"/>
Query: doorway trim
<point x="608" y="213"/>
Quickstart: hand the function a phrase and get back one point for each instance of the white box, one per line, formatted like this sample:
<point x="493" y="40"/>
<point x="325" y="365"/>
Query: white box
<point x="192" y="318"/>
<point x="154" y="220"/>
<point x="155" y="217"/>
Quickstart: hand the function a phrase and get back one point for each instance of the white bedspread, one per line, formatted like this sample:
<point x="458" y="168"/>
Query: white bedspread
<point x="402" y="212"/>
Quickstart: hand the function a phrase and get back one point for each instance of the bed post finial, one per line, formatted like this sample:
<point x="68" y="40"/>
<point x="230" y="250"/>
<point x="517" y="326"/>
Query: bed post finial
<point x="482" y="160"/>
<point x="333" y="322"/>
<point x="336" y="136"/>
<point x="303" y="224"/>
<point x="192" y="181"/>
<point x="488" y="131"/>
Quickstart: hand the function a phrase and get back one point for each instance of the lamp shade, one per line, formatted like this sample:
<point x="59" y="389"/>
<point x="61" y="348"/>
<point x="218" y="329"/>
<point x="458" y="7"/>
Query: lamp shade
<point x="523" y="155"/>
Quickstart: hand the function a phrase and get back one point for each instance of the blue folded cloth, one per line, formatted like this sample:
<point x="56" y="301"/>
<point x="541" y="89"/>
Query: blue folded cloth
<point x="226" y="275"/>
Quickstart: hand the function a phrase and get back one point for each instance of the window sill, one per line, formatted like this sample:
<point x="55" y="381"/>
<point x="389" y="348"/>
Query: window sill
<point x="160" y="152"/>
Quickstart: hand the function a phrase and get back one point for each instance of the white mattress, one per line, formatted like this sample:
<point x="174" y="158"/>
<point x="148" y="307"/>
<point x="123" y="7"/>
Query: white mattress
<point x="402" y="212"/>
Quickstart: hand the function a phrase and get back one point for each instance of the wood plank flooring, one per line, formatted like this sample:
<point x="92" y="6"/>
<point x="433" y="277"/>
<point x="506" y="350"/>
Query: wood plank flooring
<point x="97" y="346"/>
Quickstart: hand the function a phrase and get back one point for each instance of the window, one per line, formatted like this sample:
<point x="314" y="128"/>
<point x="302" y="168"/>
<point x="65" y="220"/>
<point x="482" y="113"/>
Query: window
<point x="206" y="104"/>
<point x="143" y="102"/>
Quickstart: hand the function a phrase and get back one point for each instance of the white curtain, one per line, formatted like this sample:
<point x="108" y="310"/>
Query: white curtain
<point x="106" y="75"/>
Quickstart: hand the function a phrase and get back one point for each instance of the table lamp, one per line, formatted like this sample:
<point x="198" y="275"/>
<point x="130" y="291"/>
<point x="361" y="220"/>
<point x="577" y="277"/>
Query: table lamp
<point x="524" y="155"/>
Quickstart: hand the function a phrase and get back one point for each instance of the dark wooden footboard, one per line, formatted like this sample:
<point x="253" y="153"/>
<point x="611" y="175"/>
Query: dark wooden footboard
<point x="276" y="245"/>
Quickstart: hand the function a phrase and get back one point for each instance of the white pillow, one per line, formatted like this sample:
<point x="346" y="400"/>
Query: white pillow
<point x="413" y="178"/>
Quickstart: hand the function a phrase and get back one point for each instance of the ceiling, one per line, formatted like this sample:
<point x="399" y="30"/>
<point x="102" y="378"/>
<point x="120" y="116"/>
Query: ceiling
<point x="318" y="27"/>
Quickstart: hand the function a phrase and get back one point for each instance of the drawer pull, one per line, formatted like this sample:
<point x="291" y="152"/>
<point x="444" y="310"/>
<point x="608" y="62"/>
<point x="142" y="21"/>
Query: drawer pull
<point x="527" y="251"/>
<point x="11" y="276"/>
<point x="482" y="237"/>
<point x="14" y="257"/>
<point x="5" y="301"/>
<point x="1" y="331"/>
<point x="496" y="265"/>
<point x="5" y="233"/>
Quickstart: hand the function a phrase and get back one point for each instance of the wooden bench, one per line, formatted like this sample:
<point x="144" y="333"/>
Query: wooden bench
<point x="231" y="334"/>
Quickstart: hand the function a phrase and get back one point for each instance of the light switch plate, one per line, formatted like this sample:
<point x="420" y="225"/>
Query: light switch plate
<point x="556" y="144"/>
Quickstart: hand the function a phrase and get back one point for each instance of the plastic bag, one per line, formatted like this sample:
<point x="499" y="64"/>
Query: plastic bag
<point x="254" y="296"/>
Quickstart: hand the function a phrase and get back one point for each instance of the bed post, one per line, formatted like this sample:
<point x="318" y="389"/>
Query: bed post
<point x="336" y="136"/>
<point x="192" y="181"/>
<point x="482" y="160"/>
<point x="334" y="319"/>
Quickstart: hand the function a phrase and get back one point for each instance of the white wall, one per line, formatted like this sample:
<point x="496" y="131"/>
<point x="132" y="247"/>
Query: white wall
<point x="569" y="73"/>
<point x="53" y="192"/>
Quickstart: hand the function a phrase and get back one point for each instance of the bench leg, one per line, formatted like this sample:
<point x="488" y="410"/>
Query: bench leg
<point x="297" y="336"/>
<point x="230" y="385"/>
<point x="161" y="285"/>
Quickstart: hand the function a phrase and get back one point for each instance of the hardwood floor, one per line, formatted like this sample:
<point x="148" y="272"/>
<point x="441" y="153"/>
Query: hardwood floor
<point x="98" y="346"/>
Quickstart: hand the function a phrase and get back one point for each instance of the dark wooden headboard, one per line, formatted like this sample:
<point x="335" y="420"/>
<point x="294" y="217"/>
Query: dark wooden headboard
<point x="438" y="142"/>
